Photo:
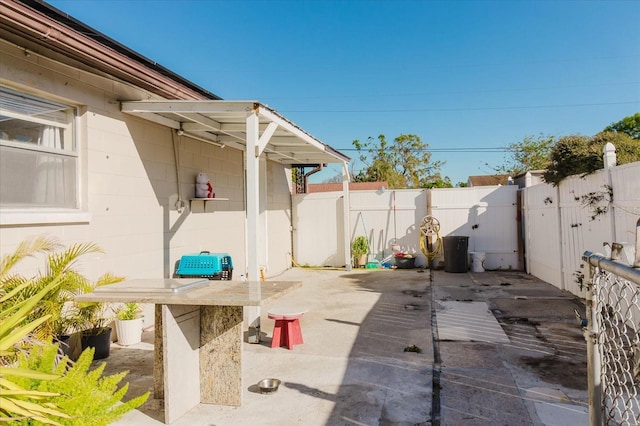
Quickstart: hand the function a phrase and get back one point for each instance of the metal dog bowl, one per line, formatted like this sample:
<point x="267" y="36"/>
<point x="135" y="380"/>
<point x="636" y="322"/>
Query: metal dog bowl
<point x="268" y="385"/>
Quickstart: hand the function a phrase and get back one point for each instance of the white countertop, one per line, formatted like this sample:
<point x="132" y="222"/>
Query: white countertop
<point x="190" y="291"/>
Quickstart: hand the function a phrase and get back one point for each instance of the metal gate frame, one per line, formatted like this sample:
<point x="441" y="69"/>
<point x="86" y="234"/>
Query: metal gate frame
<point x="613" y="340"/>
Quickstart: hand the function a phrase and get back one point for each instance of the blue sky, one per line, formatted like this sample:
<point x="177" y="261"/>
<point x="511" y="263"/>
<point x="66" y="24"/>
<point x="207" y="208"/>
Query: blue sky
<point x="471" y="74"/>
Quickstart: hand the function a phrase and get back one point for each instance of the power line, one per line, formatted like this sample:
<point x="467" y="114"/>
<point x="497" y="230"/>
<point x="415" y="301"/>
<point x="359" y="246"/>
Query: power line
<point x="460" y="150"/>
<point x="307" y="67"/>
<point x="451" y="92"/>
<point x="346" y="111"/>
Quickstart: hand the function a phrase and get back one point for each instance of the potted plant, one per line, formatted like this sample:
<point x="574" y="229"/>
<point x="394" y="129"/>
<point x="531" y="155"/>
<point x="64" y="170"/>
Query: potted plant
<point x="95" y="331"/>
<point x="90" y="318"/>
<point x="360" y="251"/>
<point x="37" y="386"/>
<point x="56" y="305"/>
<point x="129" y="324"/>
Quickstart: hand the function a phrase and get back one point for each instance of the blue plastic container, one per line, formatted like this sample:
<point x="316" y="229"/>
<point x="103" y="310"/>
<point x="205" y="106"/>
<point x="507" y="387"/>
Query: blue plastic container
<point x="214" y="266"/>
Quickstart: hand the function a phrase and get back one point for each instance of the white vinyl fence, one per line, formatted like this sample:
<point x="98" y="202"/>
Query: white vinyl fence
<point x="560" y="223"/>
<point x="487" y="215"/>
<point x="579" y="215"/>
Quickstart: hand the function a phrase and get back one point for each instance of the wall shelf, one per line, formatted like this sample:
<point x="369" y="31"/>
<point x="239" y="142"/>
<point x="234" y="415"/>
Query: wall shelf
<point x="205" y="200"/>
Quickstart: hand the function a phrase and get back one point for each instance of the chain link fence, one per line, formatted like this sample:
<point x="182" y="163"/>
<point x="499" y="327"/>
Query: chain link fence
<point x="613" y="341"/>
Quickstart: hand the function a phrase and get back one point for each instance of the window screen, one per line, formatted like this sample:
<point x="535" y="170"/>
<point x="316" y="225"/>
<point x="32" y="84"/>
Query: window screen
<point x="38" y="156"/>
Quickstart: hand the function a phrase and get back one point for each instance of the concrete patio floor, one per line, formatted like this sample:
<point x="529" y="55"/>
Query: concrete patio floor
<point x="521" y="360"/>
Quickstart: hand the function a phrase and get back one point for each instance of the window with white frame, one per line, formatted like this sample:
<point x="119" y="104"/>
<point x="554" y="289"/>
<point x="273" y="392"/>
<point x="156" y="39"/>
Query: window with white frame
<point x="38" y="152"/>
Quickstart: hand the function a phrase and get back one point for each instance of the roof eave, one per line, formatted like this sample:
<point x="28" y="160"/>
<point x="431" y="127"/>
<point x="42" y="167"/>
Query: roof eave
<point x="55" y="30"/>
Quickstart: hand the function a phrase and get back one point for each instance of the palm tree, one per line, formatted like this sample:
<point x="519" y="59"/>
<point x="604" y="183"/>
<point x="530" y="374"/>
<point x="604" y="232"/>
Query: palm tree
<point x="31" y="311"/>
<point x="57" y="304"/>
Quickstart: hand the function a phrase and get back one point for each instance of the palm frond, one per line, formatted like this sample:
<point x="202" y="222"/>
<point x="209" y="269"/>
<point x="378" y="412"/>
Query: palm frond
<point x="107" y="279"/>
<point x="60" y="262"/>
<point x="26" y="248"/>
<point x="8" y="325"/>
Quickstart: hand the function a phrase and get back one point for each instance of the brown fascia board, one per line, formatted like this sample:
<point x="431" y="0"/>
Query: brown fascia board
<point x="46" y="26"/>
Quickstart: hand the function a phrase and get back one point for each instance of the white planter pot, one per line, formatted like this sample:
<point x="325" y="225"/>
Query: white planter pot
<point x="129" y="331"/>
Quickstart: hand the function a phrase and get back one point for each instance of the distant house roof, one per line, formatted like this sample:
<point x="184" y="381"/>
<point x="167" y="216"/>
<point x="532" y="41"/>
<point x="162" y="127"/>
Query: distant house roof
<point x="488" y="180"/>
<point x="353" y="186"/>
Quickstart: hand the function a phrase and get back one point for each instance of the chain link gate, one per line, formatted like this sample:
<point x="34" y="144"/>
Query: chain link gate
<point x="613" y="341"/>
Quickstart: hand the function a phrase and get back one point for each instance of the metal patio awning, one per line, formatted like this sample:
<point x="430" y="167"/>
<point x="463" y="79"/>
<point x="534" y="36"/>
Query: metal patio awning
<point x="223" y="123"/>
<point x="264" y="135"/>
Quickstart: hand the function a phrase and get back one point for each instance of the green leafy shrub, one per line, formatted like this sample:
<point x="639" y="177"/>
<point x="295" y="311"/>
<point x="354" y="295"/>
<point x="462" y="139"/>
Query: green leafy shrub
<point x="18" y="402"/>
<point x="582" y="155"/>
<point x="86" y="396"/>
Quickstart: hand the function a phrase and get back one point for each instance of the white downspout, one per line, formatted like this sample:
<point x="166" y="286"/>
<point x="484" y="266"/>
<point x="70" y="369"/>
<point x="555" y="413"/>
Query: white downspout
<point x="176" y="138"/>
<point x="263" y="220"/>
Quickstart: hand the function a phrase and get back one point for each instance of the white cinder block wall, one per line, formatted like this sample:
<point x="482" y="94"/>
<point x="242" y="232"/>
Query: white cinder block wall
<point x="129" y="185"/>
<point x="279" y="222"/>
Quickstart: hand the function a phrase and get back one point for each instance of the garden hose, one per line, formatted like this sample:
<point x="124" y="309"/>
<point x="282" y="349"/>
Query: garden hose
<point x="430" y="226"/>
<point x="433" y="253"/>
<point x="328" y="268"/>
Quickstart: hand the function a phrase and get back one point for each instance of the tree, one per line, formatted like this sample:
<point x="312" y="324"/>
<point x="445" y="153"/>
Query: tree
<point x="405" y="163"/>
<point x="531" y="153"/>
<point x="572" y="155"/>
<point x="569" y="156"/>
<point x="627" y="148"/>
<point x="629" y="125"/>
<point x="440" y="183"/>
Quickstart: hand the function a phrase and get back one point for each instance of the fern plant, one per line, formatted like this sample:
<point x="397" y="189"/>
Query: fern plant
<point x="87" y="397"/>
<point x="19" y="402"/>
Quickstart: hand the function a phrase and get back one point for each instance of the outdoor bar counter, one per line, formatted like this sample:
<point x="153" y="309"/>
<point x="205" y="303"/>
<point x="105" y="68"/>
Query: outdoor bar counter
<point x="198" y="334"/>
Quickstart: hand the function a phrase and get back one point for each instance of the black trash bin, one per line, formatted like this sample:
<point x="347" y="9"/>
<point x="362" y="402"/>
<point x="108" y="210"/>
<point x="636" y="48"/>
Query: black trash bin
<point x="456" y="258"/>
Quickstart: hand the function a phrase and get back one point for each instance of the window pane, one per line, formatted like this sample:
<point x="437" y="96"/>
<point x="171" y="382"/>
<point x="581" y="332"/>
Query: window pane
<point x="36" y="179"/>
<point x="38" y="159"/>
<point x="35" y="121"/>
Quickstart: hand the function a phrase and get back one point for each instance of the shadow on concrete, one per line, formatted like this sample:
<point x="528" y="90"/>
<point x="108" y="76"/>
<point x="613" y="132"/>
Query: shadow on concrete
<point x="362" y="327"/>
<point x="316" y="393"/>
<point x="383" y="382"/>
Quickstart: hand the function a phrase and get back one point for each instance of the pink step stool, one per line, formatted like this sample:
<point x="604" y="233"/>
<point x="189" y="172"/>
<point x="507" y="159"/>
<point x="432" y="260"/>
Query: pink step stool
<point x="286" y="331"/>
